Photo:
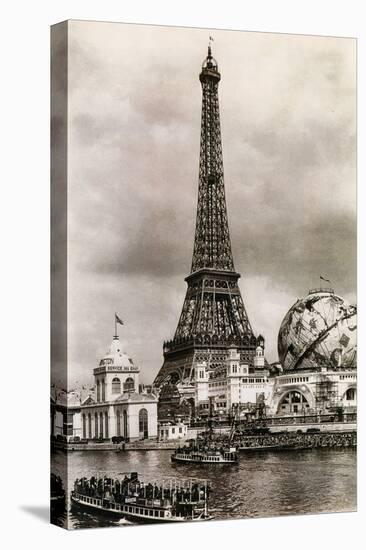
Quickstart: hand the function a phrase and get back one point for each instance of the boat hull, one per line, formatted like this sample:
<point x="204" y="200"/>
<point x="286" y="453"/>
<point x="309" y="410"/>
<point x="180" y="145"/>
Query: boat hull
<point x="130" y="516"/>
<point x="189" y="460"/>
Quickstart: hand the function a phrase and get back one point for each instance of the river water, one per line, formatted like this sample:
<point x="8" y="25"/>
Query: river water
<point x="261" y="485"/>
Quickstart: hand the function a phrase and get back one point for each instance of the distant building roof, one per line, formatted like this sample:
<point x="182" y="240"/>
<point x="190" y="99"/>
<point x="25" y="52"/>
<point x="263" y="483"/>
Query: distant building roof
<point x="136" y="398"/>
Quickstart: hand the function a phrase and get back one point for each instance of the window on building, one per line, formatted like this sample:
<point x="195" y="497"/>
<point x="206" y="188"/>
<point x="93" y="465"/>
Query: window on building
<point x="350" y="394"/>
<point x="143" y="424"/>
<point x="84" y="426"/>
<point x="118" y="423"/>
<point x="125" y="425"/>
<point x="129" y="385"/>
<point x="96" y="431"/>
<point x="68" y="424"/>
<point x="101" y="427"/>
<point x="98" y="391"/>
<point x="106" y="425"/>
<point x="116" y="385"/>
<point x="103" y="390"/>
<point x="90" y="426"/>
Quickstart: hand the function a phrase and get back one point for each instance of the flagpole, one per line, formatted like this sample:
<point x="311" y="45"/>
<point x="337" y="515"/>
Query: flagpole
<point x="115" y="325"/>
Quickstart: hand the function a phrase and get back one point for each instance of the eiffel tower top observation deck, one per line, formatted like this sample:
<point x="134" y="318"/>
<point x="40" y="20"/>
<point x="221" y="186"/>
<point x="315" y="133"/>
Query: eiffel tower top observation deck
<point x="213" y="316"/>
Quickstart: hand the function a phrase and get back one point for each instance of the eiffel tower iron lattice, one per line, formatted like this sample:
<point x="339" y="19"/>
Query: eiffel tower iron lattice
<point x="213" y="316"/>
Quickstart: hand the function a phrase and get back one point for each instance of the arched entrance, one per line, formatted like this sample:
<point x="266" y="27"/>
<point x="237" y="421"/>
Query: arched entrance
<point x="293" y="402"/>
<point x="350" y="397"/>
<point x="143" y="424"/>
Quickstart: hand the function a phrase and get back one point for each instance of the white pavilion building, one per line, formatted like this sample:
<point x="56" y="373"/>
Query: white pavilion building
<point x="118" y="408"/>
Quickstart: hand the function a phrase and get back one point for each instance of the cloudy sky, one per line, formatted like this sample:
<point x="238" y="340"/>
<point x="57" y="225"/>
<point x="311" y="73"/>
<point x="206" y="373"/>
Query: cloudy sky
<point x="288" y="128"/>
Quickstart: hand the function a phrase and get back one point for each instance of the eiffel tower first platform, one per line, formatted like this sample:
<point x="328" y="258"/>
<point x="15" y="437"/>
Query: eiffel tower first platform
<point x="213" y="317"/>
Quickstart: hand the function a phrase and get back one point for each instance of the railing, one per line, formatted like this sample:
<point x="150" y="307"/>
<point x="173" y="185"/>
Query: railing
<point x="332" y="417"/>
<point x="321" y="289"/>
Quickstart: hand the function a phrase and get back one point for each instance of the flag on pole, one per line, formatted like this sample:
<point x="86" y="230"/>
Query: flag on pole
<point x="324" y="279"/>
<point x="118" y="320"/>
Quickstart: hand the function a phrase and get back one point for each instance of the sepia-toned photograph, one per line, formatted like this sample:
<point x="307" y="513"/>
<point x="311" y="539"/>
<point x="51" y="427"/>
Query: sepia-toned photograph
<point x="203" y="274"/>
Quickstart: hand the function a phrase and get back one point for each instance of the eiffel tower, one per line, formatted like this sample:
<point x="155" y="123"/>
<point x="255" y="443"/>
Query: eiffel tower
<point x="213" y="317"/>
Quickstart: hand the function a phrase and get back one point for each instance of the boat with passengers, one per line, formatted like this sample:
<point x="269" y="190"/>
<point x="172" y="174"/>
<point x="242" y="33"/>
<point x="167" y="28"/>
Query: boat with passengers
<point x="205" y="455"/>
<point x="205" y="450"/>
<point x="143" y="502"/>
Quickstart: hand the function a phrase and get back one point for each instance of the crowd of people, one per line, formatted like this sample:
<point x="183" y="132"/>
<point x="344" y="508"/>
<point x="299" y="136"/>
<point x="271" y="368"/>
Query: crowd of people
<point x="294" y="439"/>
<point x="213" y="446"/>
<point x="116" y="490"/>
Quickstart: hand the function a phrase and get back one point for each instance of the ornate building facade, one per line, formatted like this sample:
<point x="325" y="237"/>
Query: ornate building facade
<point x="317" y="348"/>
<point x="317" y="372"/>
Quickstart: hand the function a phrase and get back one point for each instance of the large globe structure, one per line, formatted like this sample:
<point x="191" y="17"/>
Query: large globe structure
<point x="318" y="331"/>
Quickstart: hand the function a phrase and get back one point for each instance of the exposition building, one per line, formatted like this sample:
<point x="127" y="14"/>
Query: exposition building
<point x="117" y="407"/>
<point x="317" y="348"/>
<point x="316" y="374"/>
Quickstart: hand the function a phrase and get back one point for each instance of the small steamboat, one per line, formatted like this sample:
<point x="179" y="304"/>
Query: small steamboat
<point x="204" y="455"/>
<point x="141" y="502"/>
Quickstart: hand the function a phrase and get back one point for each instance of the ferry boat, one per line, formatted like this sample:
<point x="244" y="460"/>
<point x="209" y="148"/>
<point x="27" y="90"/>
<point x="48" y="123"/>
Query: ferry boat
<point x="202" y="455"/>
<point x="140" y="502"/>
<point x="207" y="451"/>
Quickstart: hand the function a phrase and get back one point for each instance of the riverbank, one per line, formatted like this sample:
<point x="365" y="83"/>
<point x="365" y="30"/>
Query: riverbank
<point x="332" y="437"/>
<point x="144" y="445"/>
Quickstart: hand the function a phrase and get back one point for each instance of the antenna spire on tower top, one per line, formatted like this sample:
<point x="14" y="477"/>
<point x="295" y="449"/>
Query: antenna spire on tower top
<point x="210" y="40"/>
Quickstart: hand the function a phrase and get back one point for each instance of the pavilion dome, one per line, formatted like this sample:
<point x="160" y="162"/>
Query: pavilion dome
<point x="116" y="356"/>
<point x="318" y="331"/>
